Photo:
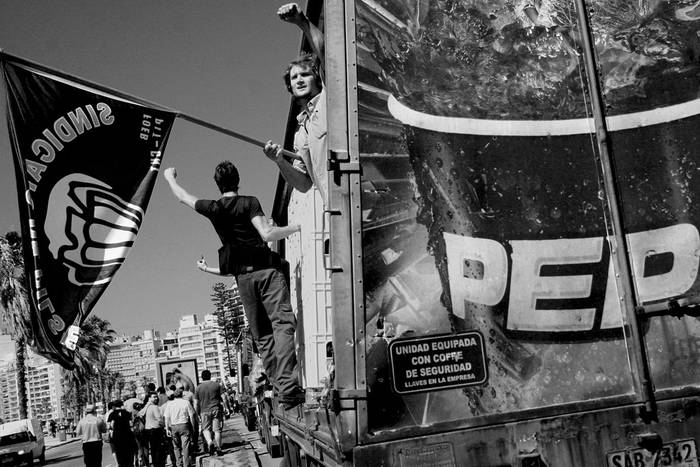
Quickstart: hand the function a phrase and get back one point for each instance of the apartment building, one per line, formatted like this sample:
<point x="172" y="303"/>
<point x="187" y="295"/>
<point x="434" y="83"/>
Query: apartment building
<point x="135" y="358"/>
<point x="43" y="387"/>
<point x="204" y="342"/>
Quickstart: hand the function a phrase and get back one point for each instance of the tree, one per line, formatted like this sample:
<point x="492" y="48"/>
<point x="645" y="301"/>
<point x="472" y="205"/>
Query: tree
<point x="14" y="298"/>
<point x="114" y="381"/>
<point x="90" y="357"/>
<point x="229" y="315"/>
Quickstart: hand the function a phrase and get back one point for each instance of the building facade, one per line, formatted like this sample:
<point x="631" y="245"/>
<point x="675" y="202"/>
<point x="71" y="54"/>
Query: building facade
<point x="9" y="400"/>
<point x="204" y="342"/>
<point x="43" y="388"/>
<point x="135" y="359"/>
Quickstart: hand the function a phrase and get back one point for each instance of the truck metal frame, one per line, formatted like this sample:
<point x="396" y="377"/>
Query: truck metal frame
<point x="334" y="429"/>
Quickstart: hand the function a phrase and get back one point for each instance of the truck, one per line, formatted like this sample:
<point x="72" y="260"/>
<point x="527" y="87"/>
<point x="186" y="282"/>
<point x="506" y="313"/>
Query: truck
<point x="506" y="272"/>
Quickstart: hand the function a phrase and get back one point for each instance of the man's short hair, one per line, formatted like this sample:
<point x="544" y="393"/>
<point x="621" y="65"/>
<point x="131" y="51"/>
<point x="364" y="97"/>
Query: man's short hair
<point x="117" y="403"/>
<point x="226" y="176"/>
<point x="307" y="60"/>
<point x="206" y="375"/>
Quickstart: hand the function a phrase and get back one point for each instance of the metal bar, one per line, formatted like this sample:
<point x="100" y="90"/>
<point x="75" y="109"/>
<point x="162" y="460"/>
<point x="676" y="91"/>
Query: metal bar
<point x="352" y="168"/>
<point x="354" y="178"/>
<point x="340" y="189"/>
<point x="341" y="280"/>
<point x="139" y="100"/>
<point x="619" y="247"/>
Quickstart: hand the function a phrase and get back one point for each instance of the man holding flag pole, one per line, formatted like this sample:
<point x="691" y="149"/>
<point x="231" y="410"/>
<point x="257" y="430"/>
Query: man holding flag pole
<point x="304" y="80"/>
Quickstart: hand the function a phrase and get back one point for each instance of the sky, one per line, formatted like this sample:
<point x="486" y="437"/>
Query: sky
<point x="220" y="61"/>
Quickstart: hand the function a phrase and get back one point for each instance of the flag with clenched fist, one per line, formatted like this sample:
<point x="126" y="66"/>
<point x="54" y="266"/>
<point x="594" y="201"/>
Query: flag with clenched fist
<point x="86" y="162"/>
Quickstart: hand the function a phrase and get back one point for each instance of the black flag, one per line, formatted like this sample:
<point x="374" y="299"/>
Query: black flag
<point x="86" y="162"/>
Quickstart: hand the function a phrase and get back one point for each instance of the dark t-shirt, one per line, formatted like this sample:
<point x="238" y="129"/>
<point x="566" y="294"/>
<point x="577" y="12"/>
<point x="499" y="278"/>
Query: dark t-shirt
<point x="122" y="425"/>
<point x="232" y="217"/>
<point x="208" y="393"/>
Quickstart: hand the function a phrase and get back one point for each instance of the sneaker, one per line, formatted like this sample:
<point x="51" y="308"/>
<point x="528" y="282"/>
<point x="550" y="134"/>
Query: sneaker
<point x="219" y="452"/>
<point x="212" y="449"/>
<point x="293" y="399"/>
<point x="290" y="404"/>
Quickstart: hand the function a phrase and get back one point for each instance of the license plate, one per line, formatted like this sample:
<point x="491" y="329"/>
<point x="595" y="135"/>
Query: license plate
<point x="678" y="453"/>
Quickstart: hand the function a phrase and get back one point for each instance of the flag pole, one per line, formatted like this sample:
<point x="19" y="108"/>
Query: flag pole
<point x="226" y="131"/>
<point x="84" y="82"/>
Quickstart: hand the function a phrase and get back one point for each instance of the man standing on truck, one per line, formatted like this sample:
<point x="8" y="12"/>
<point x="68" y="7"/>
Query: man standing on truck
<point x="90" y="429"/>
<point x="244" y="232"/>
<point x="304" y="80"/>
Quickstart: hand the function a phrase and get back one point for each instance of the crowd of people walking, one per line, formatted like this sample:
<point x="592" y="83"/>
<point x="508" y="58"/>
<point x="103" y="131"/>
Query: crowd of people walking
<point x="165" y="426"/>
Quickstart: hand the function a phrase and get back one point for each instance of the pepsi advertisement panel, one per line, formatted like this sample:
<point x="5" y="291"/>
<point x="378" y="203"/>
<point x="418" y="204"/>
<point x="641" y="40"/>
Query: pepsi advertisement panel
<point x="491" y="215"/>
<point x="86" y="163"/>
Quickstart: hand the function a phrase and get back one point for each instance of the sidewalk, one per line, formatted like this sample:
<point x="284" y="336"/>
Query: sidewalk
<point x="242" y="448"/>
<point x="51" y="442"/>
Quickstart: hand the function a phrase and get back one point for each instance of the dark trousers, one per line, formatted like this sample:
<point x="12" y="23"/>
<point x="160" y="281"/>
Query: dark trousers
<point x="265" y="298"/>
<point x="92" y="453"/>
<point x="168" y="450"/>
<point x="155" y="444"/>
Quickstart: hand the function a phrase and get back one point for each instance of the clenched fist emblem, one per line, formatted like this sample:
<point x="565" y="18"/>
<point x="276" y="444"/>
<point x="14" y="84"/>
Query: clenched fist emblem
<point x="90" y="229"/>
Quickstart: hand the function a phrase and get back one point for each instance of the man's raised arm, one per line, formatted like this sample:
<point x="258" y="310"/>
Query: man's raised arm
<point x="292" y="14"/>
<point x="180" y="193"/>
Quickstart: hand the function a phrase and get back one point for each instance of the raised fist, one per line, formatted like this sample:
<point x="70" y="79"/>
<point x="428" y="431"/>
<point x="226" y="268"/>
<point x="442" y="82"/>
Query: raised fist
<point x="290" y="13"/>
<point x="90" y="229"/>
<point x="170" y="173"/>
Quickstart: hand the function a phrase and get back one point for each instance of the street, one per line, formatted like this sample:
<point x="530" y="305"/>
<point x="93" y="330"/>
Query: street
<point x="71" y="455"/>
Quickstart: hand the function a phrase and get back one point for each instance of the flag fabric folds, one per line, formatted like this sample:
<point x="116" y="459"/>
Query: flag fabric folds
<point x="86" y="161"/>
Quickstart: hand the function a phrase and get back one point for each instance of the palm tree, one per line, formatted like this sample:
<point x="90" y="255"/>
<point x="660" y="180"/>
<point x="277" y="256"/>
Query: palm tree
<point x="112" y="381"/>
<point x="89" y="360"/>
<point x="14" y="299"/>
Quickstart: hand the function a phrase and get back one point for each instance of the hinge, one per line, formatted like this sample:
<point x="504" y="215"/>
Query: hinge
<point x="338" y="395"/>
<point x="340" y="162"/>
<point x="352" y="393"/>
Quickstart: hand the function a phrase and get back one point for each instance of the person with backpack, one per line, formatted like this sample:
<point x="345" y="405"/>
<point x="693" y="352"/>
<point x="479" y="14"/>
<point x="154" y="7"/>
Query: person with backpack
<point x="122" y="437"/>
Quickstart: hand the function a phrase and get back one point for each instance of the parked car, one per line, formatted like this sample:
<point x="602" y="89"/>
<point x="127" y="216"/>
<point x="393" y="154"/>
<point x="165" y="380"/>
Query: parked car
<point x="21" y="442"/>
